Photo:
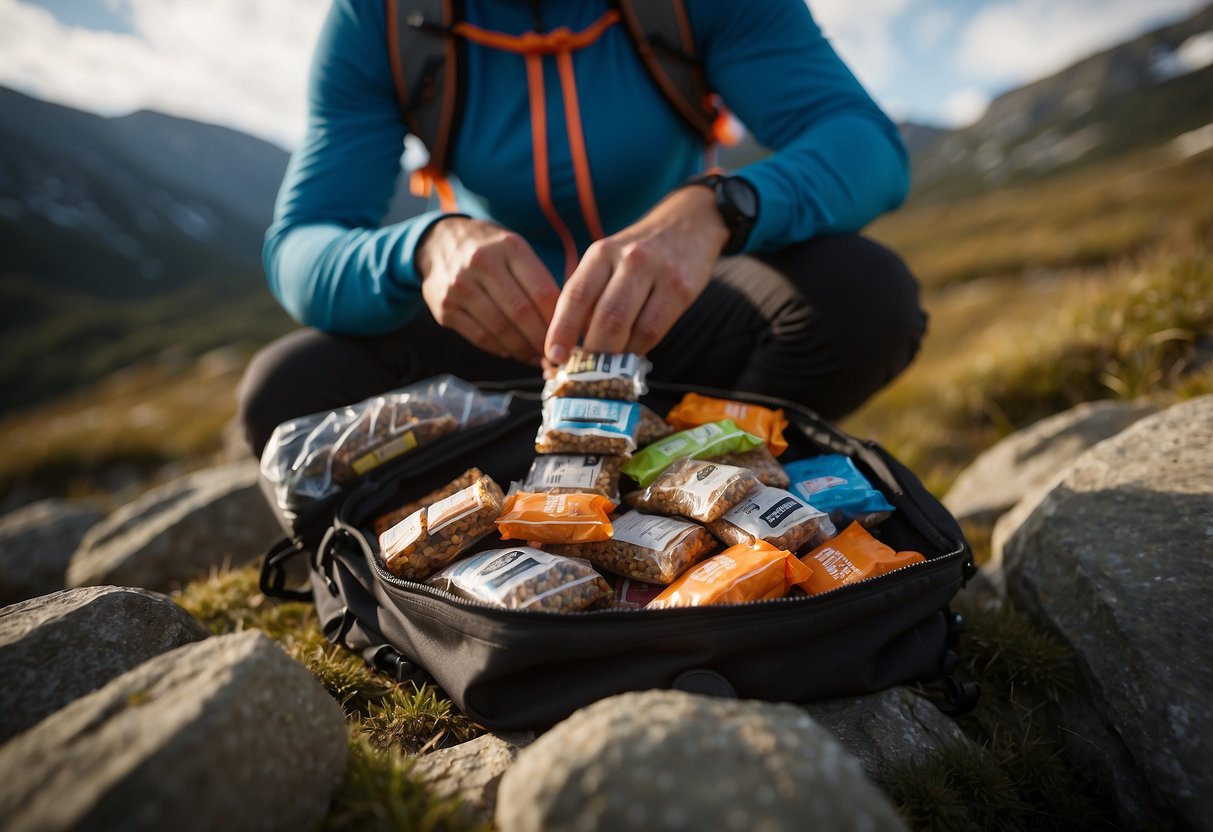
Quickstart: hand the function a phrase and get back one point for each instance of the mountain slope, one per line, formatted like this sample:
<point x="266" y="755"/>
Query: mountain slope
<point x="1131" y="96"/>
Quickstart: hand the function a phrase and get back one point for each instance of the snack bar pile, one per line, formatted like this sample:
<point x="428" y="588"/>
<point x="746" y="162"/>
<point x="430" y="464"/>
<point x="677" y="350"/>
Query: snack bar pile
<point x="623" y="509"/>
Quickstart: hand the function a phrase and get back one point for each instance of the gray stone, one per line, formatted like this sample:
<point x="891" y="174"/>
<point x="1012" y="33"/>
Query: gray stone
<point x="1004" y="473"/>
<point x="228" y="733"/>
<point x="472" y="770"/>
<point x="59" y="647"/>
<point x="671" y="760"/>
<point x="179" y="531"/>
<point x="1116" y="560"/>
<point x="36" y="543"/>
<point x="889" y="730"/>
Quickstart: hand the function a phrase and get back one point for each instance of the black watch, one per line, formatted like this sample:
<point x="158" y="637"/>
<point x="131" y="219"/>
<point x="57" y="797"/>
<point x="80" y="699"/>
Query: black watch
<point x="737" y="202"/>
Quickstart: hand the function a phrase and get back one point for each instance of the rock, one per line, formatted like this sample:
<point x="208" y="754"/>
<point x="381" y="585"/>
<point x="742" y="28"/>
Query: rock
<point x="36" y="543"/>
<point x="228" y="733"/>
<point x="1115" y="559"/>
<point x="1001" y="476"/>
<point x="888" y="730"/>
<point x="671" y="760"/>
<point x="178" y="532"/>
<point x="472" y="770"/>
<point x="59" y="647"/>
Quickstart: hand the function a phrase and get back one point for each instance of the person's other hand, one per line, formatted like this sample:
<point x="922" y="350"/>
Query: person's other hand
<point x="630" y="288"/>
<point x="486" y="283"/>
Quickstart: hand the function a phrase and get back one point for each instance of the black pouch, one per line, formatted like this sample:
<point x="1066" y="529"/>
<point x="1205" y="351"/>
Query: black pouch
<point x="515" y="669"/>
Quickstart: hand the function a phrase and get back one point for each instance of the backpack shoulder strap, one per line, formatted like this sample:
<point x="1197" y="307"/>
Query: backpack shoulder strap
<point x="427" y="68"/>
<point x="661" y="32"/>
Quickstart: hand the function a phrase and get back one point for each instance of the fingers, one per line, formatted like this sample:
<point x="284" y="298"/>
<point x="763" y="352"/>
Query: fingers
<point x="467" y="326"/>
<point x="495" y="319"/>
<point x="527" y="295"/>
<point x="618" y="307"/>
<point x="576" y="303"/>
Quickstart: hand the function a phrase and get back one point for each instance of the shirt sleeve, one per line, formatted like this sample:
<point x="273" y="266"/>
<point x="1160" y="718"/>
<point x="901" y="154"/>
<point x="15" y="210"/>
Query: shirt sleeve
<point x="328" y="262"/>
<point x="838" y="160"/>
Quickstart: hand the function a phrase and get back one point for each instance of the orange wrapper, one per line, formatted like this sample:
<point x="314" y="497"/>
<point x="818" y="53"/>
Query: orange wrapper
<point x="555" y="518"/>
<point x="849" y="557"/>
<point x="767" y="424"/>
<point x="745" y="572"/>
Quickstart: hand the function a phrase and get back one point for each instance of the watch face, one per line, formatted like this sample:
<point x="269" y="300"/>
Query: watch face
<point x="742" y="196"/>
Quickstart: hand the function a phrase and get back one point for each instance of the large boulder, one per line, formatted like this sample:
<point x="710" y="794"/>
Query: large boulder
<point x="57" y="648"/>
<point x="1115" y="559"/>
<point x="36" y="543"/>
<point x="889" y="730"/>
<point x="671" y="760"/>
<point x="228" y="733"/>
<point x="1028" y="459"/>
<point x="472" y="770"/>
<point x="179" y="531"/>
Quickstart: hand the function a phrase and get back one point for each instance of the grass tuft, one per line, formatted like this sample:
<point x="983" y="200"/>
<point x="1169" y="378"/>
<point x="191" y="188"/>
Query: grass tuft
<point x="381" y="794"/>
<point x="1004" y="651"/>
<point x="407" y="714"/>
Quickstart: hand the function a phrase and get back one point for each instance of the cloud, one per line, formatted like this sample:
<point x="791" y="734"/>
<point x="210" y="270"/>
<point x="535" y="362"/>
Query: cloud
<point x="930" y="25"/>
<point x="1020" y="40"/>
<point x="225" y="61"/>
<point x="963" y="107"/>
<point x="863" y="35"/>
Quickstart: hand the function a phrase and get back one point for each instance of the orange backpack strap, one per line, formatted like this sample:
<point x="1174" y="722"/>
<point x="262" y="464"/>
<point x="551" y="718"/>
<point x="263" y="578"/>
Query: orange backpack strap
<point x="428" y="66"/>
<point x="661" y="32"/>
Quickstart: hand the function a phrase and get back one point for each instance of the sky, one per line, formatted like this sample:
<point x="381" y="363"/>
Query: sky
<point x="243" y="63"/>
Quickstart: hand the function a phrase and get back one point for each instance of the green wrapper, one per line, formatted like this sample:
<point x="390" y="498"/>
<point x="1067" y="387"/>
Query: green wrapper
<point x="703" y="442"/>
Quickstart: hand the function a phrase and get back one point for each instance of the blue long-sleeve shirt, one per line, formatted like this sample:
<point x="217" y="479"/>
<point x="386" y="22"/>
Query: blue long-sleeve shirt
<point x="838" y="160"/>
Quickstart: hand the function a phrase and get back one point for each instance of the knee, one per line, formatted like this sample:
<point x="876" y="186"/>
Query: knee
<point x="258" y="412"/>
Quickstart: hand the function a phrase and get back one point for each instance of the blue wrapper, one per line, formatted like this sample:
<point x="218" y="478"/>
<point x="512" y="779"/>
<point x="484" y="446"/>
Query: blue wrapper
<point x="831" y="483"/>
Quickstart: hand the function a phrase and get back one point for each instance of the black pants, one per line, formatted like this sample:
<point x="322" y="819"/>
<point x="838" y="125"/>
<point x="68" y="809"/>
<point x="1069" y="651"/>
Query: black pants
<point x="826" y="323"/>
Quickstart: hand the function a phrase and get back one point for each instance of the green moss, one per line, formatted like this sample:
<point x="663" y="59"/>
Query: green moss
<point x="380" y="793"/>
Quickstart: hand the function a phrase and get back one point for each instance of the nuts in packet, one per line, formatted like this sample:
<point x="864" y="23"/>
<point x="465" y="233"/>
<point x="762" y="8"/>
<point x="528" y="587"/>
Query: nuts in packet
<point x="523" y="578"/>
<point x="575" y="474"/>
<point x="697" y="489"/>
<point x="754" y="571"/>
<point x="652" y="427"/>
<point x="432" y="537"/>
<point x="555" y="518"/>
<point x="763" y="422"/>
<point x="851" y="556"/>
<point x="382" y="524"/>
<point x="774" y="515"/>
<point x="762" y="463"/>
<point x="587" y="426"/>
<point x="600" y="375"/>
<point x="646" y="547"/>
<point x="703" y="442"/>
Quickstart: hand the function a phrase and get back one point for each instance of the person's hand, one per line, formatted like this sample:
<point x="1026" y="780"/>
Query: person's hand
<point x="630" y="288"/>
<point x="487" y="284"/>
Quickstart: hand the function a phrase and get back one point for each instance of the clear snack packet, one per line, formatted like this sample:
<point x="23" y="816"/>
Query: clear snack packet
<point x="555" y="518"/>
<point x="587" y="426"/>
<point x="767" y="424"/>
<point x="775" y="516"/>
<point x="652" y="427"/>
<point x="431" y="537"/>
<point x="524" y="578"/>
<point x="703" y="442"/>
<point x="754" y="571"/>
<point x="310" y="458"/>
<point x="832" y="483"/>
<point x="467" y="478"/>
<point x="853" y="555"/>
<point x="762" y="463"/>
<point x="697" y="489"/>
<point x="575" y="473"/>
<point x="646" y="547"/>
<point x="600" y="375"/>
